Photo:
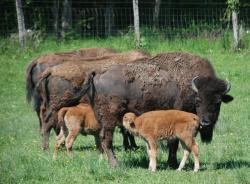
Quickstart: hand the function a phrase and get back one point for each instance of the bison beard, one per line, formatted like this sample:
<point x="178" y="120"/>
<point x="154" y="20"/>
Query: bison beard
<point x="206" y="133"/>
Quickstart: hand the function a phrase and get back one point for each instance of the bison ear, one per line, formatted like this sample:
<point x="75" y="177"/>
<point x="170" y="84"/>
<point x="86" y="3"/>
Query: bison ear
<point x="226" y="98"/>
<point x="132" y="124"/>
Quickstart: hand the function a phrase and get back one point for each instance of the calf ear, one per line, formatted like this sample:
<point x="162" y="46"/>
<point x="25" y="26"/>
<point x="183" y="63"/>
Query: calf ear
<point x="132" y="124"/>
<point x="226" y="98"/>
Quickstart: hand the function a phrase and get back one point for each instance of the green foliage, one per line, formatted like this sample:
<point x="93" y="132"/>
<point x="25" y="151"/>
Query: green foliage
<point x="225" y="160"/>
<point x="233" y="4"/>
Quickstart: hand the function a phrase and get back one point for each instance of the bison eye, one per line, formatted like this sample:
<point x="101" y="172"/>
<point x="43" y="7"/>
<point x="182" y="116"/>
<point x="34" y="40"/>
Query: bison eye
<point x="218" y="101"/>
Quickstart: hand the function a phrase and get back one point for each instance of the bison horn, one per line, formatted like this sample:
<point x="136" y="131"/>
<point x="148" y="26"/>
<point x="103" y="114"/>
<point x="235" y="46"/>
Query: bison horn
<point x="193" y="84"/>
<point x="228" y="87"/>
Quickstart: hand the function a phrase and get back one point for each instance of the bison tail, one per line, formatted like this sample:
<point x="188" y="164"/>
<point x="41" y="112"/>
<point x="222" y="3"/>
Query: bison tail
<point x="41" y="92"/>
<point x="30" y="86"/>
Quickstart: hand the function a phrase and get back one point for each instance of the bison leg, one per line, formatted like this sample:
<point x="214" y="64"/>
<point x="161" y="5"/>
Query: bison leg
<point x="57" y="129"/>
<point x="46" y="133"/>
<point x="40" y="122"/>
<point x="125" y="139"/>
<point x="47" y="126"/>
<point x="172" y="158"/>
<point x="107" y="140"/>
<point x="98" y="144"/>
<point x="132" y="141"/>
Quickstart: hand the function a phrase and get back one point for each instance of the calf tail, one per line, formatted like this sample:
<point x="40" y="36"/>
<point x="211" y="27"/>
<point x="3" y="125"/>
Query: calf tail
<point x="30" y="86"/>
<point x="61" y="115"/>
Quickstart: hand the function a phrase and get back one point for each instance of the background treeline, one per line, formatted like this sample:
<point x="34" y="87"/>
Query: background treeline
<point x="103" y="18"/>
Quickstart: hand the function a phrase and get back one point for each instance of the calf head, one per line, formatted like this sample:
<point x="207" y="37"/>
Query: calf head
<point x="128" y="122"/>
<point x="210" y="93"/>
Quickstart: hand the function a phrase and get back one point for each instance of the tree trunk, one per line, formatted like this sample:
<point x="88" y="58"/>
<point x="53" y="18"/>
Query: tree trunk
<point x="235" y="30"/>
<point x="21" y="23"/>
<point x="96" y="18"/>
<point x="156" y="14"/>
<point x="109" y="20"/>
<point x="66" y="17"/>
<point x="55" y="12"/>
<point x="136" y="23"/>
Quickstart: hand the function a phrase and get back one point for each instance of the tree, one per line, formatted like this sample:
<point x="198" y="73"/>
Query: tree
<point x="233" y="7"/>
<point x="55" y="11"/>
<point x="21" y="23"/>
<point x="156" y="13"/>
<point x="109" y="20"/>
<point x="66" y="17"/>
<point x="136" y="23"/>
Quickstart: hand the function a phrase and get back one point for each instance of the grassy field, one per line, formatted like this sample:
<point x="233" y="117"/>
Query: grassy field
<point x="225" y="160"/>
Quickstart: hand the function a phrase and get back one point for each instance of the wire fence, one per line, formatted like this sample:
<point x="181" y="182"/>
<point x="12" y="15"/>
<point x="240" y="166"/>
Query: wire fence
<point x="102" y="21"/>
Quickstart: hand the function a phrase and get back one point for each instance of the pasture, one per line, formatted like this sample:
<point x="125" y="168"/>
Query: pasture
<point x="225" y="160"/>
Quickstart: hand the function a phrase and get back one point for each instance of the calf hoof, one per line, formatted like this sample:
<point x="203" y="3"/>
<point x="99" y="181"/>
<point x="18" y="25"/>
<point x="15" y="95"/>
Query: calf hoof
<point x="178" y="169"/>
<point x="196" y="170"/>
<point x="54" y="157"/>
<point x="152" y="169"/>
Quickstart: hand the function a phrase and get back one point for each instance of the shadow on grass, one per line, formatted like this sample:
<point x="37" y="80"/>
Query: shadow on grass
<point x="232" y="164"/>
<point x="116" y="148"/>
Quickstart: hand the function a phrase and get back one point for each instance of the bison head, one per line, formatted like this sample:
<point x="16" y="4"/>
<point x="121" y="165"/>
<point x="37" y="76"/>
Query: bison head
<point x="210" y="93"/>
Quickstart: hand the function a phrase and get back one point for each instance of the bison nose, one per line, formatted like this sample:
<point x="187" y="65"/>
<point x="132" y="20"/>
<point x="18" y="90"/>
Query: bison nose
<point x="205" y="123"/>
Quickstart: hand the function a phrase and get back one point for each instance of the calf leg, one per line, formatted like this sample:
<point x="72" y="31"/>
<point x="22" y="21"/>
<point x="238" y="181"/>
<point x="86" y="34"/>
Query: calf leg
<point x="195" y="151"/>
<point x="188" y="145"/>
<point x="70" y="140"/>
<point x="172" y="158"/>
<point x="184" y="159"/>
<point x="152" y="150"/>
<point x="59" y="140"/>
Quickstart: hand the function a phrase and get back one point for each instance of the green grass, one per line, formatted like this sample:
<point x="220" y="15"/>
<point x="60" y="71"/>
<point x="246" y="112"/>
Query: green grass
<point x="225" y="160"/>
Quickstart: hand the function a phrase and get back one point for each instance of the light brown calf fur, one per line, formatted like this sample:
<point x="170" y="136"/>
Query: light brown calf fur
<point x="75" y="120"/>
<point x="165" y="124"/>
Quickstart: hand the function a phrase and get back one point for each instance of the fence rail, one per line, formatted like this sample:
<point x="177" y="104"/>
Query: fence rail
<point x="94" y="21"/>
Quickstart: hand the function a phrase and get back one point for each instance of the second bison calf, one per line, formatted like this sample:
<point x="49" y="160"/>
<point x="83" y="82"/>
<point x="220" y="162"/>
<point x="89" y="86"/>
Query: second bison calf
<point x="170" y="124"/>
<point x="75" y="120"/>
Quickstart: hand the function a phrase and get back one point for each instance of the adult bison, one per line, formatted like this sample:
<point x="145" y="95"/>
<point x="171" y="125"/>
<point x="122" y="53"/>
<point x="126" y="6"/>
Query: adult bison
<point x="61" y="82"/>
<point x="166" y="81"/>
<point x="40" y="64"/>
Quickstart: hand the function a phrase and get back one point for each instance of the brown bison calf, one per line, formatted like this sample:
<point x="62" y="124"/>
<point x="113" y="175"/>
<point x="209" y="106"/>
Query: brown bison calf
<point x="75" y="120"/>
<point x="169" y="124"/>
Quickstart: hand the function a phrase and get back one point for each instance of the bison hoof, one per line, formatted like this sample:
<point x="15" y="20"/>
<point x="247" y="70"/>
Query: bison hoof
<point x="173" y="164"/>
